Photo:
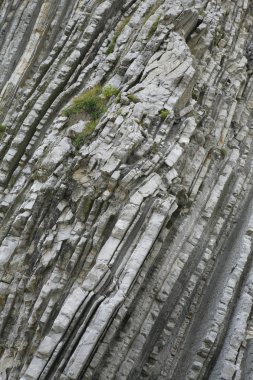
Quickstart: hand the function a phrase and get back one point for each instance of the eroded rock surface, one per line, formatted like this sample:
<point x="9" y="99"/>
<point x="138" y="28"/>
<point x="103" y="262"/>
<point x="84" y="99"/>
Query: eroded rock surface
<point x="126" y="251"/>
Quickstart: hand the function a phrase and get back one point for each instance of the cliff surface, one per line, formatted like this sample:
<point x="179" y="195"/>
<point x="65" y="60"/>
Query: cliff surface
<point x="126" y="183"/>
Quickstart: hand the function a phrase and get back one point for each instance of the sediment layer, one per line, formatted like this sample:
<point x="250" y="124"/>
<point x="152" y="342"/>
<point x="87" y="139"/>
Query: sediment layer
<point x="126" y="241"/>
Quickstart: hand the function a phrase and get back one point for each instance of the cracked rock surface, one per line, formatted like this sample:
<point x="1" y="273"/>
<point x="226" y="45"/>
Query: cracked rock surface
<point x="126" y="237"/>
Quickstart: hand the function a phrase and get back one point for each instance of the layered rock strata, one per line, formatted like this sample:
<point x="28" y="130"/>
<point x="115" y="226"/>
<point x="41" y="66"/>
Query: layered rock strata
<point x="128" y="255"/>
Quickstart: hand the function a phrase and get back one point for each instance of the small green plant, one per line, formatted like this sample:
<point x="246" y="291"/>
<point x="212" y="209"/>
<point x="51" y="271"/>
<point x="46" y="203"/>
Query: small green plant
<point x="89" y="102"/>
<point x="81" y="137"/>
<point x="153" y="28"/>
<point x="118" y="32"/>
<point x="223" y="152"/>
<point x="109" y="91"/>
<point x="2" y="130"/>
<point x="133" y="98"/>
<point x="164" y="114"/>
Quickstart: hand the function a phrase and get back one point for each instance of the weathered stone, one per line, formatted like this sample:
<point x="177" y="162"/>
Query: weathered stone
<point x="126" y="227"/>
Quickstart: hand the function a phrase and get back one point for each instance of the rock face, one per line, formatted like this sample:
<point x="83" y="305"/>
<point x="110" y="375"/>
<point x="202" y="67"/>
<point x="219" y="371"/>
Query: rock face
<point x="126" y="230"/>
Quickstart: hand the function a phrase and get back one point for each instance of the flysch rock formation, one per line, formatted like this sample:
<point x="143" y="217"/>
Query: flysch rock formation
<point x="129" y="254"/>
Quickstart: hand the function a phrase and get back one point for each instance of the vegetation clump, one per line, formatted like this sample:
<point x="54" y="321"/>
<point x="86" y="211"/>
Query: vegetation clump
<point x="109" y="91"/>
<point x="93" y="103"/>
<point x="164" y="114"/>
<point x="2" y="130"/>
<point x="89" y="102"/>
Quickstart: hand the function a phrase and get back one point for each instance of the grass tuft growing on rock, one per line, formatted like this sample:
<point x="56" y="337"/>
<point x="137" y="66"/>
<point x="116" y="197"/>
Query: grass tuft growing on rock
<point x="93" y="103"/>
<point x="164" y="114"/>
<point x="89" y="102"/>
<point x="109" y="91"/>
